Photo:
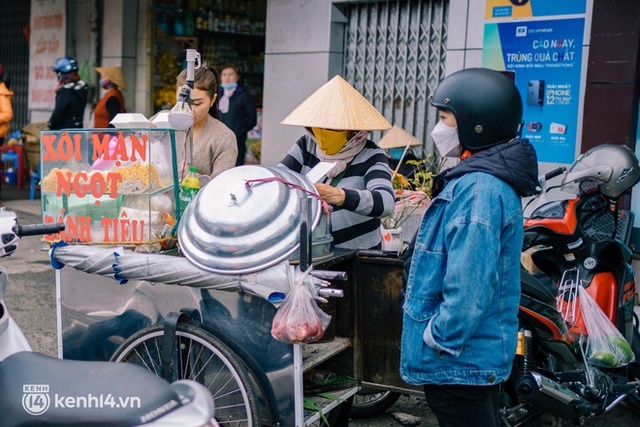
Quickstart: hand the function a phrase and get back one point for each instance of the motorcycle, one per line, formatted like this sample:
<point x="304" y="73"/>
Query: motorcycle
<point x="36" y="389"/>
<point x="573" y="244"/>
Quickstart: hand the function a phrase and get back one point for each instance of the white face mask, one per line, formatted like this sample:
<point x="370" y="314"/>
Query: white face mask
<point x="446" y="140"/>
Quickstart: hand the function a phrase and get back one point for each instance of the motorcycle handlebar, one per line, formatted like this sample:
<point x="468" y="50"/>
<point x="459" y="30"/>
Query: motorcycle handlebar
<point x="554" y="173"/>
<point x="39" y="229"/>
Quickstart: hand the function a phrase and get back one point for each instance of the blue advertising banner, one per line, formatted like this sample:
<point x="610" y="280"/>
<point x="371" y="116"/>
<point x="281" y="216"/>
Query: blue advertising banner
<point x="506" y="9"/>
<point x="546" y="58"/>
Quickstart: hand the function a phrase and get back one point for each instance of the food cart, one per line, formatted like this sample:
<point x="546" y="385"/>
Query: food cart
<point x="125" y="294"/>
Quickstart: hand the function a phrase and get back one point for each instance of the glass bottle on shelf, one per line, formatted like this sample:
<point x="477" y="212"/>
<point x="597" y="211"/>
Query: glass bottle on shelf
<point x="178" y="23"/>
<point x="189" y="23"/>
<point x="211" y="24"/>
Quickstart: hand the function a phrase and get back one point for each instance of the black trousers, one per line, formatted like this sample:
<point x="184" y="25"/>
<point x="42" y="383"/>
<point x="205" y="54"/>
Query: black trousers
<point x="464" y="405"/>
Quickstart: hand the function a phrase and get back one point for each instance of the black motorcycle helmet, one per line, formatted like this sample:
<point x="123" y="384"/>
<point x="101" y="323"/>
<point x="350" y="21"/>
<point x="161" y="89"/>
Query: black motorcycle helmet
<point x="486" y="104"/>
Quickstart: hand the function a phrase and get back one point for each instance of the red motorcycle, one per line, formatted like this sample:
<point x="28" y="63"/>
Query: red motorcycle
<point x="568" y="244"/>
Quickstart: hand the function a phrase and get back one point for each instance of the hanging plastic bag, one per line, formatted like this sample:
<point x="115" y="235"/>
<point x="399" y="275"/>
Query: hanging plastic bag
<point x="299" y="319"/>
<point x="607" y="347"/>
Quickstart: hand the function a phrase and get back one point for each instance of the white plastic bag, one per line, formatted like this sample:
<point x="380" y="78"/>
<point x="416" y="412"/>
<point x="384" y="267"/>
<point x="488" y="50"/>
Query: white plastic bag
<point x="607" y="347"/>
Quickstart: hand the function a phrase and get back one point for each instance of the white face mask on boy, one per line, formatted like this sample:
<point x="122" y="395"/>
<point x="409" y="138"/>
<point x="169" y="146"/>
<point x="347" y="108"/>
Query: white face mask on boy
<point x="446" y="140"/>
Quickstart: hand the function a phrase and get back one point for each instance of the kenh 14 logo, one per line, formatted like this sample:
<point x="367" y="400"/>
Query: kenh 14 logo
<point x="35" y="398"/>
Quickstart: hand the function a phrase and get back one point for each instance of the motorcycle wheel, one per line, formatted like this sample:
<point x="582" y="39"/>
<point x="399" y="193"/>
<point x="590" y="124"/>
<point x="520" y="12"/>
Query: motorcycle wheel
<point x="369" y="403"/>
<point x="633" y="400"/>
<point x="202" y="357"/>
<point x="633" y="403"/>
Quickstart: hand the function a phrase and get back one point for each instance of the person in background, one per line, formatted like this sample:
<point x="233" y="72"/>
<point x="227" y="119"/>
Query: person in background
<point x="6" y="111"/>
<point x="237" y="108"/>
<point x="112" y="102"/>
<point x="460" y="321"/>
<point x="337" y="119"/>
<point x="399" y="145"/>
<point x="71" y="96"/>
<point x="214" y="144"/>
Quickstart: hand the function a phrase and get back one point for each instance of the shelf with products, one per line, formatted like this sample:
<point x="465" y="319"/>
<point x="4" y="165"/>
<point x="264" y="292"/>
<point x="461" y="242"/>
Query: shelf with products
<point x="223" y="31"/>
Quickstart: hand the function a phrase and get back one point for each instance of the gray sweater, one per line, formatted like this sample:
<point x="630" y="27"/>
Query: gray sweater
<point x="214" y="151"/>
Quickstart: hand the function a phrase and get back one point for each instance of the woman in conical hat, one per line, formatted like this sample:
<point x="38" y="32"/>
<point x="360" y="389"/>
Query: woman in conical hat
<point x="112" y="102"/>
<point x="337" y="119"/>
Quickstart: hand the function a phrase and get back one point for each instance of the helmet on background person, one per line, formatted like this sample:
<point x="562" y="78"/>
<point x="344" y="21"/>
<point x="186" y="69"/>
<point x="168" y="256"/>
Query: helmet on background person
<point x="613" y="168"/>
<point x="487" y="106"/>
<point x="65" y="65"/>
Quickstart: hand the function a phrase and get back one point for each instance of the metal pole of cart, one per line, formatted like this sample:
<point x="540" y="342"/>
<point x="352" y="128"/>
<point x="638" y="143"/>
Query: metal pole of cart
<point x="297" y="385"/>
<point x="305" y="263"/>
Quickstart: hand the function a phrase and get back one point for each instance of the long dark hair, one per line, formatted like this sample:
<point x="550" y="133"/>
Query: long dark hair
<point x="205" y="78"/>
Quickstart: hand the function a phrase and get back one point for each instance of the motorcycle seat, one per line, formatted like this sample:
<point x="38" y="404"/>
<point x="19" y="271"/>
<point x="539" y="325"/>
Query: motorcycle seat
<point x="40" y="390"/>
<point x="538" y="288"/>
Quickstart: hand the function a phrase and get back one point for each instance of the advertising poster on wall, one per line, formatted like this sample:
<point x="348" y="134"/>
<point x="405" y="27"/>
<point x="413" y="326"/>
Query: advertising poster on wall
<point x="541" y="43"/>
<point x="497" y="9"/>
<point x="46" y="44"/>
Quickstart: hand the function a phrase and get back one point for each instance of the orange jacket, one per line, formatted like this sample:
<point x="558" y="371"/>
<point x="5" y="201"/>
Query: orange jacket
<point x="6" y="112"/>
<point x="101" y="116"/>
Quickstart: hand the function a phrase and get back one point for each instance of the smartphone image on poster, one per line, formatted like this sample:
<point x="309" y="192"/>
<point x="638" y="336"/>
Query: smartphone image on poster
<point x="535" y="93"/>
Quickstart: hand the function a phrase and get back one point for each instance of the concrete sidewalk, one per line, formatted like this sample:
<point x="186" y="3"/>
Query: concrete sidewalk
<point x="20" y="206"/>
<point x="17" y="199"/>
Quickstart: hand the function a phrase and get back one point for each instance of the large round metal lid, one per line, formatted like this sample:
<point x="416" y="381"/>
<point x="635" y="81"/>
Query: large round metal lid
<point x="247" y="219"/>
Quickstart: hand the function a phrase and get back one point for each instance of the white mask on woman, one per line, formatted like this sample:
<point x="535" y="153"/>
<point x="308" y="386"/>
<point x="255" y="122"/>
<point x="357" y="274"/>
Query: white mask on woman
<point x="446" y="140"/>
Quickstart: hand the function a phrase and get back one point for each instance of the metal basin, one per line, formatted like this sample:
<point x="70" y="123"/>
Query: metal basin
<point x="237" y="228"/>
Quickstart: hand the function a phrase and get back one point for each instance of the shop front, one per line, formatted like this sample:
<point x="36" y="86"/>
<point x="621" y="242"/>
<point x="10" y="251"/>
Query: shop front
<point x="224" y="32"/>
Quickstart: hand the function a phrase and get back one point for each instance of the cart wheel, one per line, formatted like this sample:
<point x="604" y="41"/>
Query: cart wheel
<point x="204" y="358"/>
<point x="369" y="403"/>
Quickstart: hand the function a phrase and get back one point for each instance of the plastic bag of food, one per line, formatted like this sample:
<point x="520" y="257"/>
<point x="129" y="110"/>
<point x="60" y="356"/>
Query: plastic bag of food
<point x="607" y="347"/>
<point x="299" y="319"/>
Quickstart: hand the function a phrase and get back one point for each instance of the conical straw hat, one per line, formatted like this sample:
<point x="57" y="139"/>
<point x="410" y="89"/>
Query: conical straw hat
<point x="397" y="138"/>
<point x="337" y="105"/>
<point x="114" y="74"/>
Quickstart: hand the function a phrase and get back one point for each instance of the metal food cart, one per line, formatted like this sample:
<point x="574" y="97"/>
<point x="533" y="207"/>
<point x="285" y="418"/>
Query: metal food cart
<point x="122" y="301"/>
<point x="102" y="319"/>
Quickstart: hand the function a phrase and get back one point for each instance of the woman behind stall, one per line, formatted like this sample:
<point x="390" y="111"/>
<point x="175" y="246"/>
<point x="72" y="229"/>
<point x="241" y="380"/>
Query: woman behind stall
<point x="237" y="109"/>
<point x="112" y="102"/>
<point x="399" y="145"/>
<point x="214" y="144"/>
<point x="337" y="119"/>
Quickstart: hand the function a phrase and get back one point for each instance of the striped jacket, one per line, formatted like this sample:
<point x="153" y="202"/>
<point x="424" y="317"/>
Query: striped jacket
<point x="369" y="193"/>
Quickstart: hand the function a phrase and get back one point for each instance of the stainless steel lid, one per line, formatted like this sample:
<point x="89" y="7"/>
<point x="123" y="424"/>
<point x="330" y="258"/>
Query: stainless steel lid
<point x="232" y="227"/>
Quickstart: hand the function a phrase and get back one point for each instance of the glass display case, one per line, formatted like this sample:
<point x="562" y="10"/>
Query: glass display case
<point x="111" y="187"/>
